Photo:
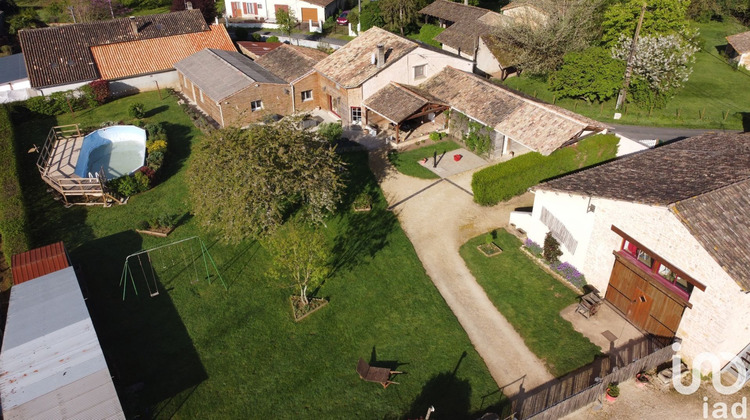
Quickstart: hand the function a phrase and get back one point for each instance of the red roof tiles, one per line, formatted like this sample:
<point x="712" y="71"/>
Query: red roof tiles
<point x="38" y="262"/>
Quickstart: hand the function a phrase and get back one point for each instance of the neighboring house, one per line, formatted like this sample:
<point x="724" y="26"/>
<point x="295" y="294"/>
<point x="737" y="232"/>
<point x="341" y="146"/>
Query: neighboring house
<point x="315" y="11"/>
<point x="663" y="234"/>
<point x="295" y="66"/>
<point x="519" y="123"/>
<point x="255" y="50"/>
<point x="231" y="88"/>
<point x="53" y="365"/>
<point x="739" y="48"/>
<point x="136" y="53"/>
<point x="464" y="25"/>
<point x="494" y="58"/>
<point x="371" y="62"/>
<point x="14" y="82"/>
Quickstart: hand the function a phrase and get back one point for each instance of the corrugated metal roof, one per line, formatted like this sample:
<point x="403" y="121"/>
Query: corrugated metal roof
<point x="221" y="74"/>
<point x="51" y="362"/>
<point x="12" y="68"/>
<point x="38" y="262"/>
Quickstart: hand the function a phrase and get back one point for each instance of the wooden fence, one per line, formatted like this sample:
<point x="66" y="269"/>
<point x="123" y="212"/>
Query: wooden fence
<point x="564" y="395"/>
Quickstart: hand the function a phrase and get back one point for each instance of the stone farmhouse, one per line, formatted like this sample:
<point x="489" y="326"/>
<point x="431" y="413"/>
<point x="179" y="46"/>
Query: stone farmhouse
<point x="660" y="232"/>
<point x="738" y="49"/>
<point x="135" y="53"/>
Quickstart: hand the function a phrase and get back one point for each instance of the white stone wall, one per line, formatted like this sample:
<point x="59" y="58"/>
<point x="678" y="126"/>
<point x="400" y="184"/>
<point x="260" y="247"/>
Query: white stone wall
<point x="168" y="79"/>
<point x="486" y="61"/>
<point x="402" y="71"/>
<point x="720" y="318"/>
<point x="463" y="54"/>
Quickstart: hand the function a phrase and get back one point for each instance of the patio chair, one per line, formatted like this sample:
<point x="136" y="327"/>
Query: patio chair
<point x="375" y="374"/>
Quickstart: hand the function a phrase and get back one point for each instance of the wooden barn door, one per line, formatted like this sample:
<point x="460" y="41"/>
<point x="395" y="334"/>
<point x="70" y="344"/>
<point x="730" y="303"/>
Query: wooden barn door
<point x="648" y="304"/>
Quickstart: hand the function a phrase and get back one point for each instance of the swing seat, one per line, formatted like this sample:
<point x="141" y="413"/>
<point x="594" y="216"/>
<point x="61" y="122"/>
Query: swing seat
<point x="156" y="293"/>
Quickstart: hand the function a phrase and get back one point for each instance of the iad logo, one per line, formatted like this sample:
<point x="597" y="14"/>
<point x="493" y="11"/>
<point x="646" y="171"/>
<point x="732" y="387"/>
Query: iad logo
<point x="721" y="410"/>
<point x="715" y="363"/>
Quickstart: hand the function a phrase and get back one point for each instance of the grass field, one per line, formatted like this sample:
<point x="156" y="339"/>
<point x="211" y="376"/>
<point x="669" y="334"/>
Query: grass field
<point x="408" y="162"/>
<point x="198" y="351"/>
<point x="713" y="97"/>
<point x="531" y="300"/>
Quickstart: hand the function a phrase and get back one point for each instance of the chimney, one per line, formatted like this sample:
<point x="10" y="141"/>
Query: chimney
<point x="466" y="2"/>
<point x="133" y="25"/>
<point x="381" y="55"/>
<point x="188" y="5"/>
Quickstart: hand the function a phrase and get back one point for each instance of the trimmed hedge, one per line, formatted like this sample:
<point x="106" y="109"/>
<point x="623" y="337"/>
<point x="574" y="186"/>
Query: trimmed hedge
<point x="13" y="227"/>
<point x="509" y="179"/>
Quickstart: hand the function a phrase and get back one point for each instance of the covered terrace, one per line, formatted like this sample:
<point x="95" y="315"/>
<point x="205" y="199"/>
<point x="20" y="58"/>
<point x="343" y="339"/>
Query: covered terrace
<point x="397" y="108"/>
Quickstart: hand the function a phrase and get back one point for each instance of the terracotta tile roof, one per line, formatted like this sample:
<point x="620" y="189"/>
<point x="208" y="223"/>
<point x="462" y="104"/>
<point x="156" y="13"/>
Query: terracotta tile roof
<point x="397" y="102"/>
<point x="220" y="74"/>
<point x="257" y="49"/>
<point x="115" y="61"/>
<point x="720" y="221"/>
<point x="291" y="62"/>
<point x="351" y="65"/>
<point x="464" y="34"/>
<point x="39" y="262"/>
<point x="740" y="42"/>
<point x="535" y="124"/>
<point x="452" y="11"/>
<point x="61" y="54"/>
<point x="667" y="174"/>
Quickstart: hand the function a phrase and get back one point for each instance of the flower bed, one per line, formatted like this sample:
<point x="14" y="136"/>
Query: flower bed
<point x="565" y="272"/>
<point x="301" y="311"/>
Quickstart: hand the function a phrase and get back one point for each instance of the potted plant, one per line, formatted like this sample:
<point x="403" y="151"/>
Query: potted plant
<point x="641" y="379"/>
<point x="613" y="391"/>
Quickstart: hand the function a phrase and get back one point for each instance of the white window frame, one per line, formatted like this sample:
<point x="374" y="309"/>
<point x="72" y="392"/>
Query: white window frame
<point x="358" y="110"/>
<point x="421" y="68"/>
<point x="307" y="95"/>
<point x="254" y="107"/>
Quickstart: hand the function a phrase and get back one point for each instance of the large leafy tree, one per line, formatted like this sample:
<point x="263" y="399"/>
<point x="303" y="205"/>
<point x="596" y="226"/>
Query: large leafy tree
<point x="591" y="74"/>
<point x="371" y="16"/>
<point x="244" y="183"/>
<point x="541" y="44"/>
<point x="661" y="17"/>
<point x="301" y="254"/>
<point x="398" y="14"/>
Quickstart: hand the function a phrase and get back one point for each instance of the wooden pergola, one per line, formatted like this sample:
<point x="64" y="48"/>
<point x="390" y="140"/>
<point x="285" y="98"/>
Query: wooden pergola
<point x="399" y="104"/>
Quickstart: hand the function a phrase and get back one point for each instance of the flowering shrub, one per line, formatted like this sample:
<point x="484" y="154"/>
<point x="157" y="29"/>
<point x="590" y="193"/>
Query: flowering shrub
<point x="156" y="146"/>
<point x="533" y="247"/>
<point x="570" y="273"/>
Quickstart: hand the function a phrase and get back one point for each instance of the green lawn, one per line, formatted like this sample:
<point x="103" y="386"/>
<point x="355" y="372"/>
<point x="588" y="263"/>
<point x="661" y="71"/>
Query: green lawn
<point x="198" y="351"/>
<point x="427" y="34"/>
<point x="531" y="300"/>
<point x="504" y="180"/>
<point x="713" y="97"/>
<point x="408" y="162"/>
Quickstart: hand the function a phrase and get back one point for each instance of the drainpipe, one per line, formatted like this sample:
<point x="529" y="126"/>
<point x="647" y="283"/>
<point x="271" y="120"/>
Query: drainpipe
<point x="294" y="99"/>
<point x="221" y="114"/>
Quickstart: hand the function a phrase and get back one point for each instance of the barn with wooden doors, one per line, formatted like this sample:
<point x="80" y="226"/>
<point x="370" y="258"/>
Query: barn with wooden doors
<point x="663" y="234"/>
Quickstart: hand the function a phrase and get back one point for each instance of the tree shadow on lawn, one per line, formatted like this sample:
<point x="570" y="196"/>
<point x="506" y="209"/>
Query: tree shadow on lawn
<point x="148" y="348"/>
<point x="363" y="235"/>
<point x="157" y="110"/>
<point x="179" y="146"/>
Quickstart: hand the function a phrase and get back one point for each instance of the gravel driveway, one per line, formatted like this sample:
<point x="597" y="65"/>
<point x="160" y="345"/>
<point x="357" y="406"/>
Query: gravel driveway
<point x="438" y="217"/>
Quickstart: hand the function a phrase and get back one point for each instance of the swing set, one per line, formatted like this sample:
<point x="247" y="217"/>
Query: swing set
<point x="171" y="260"/>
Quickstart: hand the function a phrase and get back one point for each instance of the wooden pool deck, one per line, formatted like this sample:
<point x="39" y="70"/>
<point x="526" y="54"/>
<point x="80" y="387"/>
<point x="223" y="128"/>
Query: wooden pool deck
<point x="57" y="164"/>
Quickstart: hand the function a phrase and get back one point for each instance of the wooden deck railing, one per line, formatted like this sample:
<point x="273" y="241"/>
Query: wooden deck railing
<point x="67" y="186"/>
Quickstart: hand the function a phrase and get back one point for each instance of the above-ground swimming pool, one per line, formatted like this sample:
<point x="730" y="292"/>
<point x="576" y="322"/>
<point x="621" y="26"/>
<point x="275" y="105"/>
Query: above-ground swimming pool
<point x="119" y="150"/>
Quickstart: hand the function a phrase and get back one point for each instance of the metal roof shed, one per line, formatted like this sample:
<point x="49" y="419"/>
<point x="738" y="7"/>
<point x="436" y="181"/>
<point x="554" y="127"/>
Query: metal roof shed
<point x="51" y="362"/>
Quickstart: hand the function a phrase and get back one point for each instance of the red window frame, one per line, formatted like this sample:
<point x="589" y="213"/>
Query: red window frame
<point x="632" y="250"/>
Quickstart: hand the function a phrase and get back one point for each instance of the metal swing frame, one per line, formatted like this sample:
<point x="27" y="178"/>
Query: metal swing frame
<point x="127" y="272"/>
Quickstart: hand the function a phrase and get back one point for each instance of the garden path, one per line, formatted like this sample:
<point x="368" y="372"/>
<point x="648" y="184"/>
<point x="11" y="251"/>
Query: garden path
<point x="438" y="217"/>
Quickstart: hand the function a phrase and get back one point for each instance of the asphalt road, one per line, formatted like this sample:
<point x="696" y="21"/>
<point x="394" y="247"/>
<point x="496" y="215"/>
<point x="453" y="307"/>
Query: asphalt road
<point x="635" y="132"/>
